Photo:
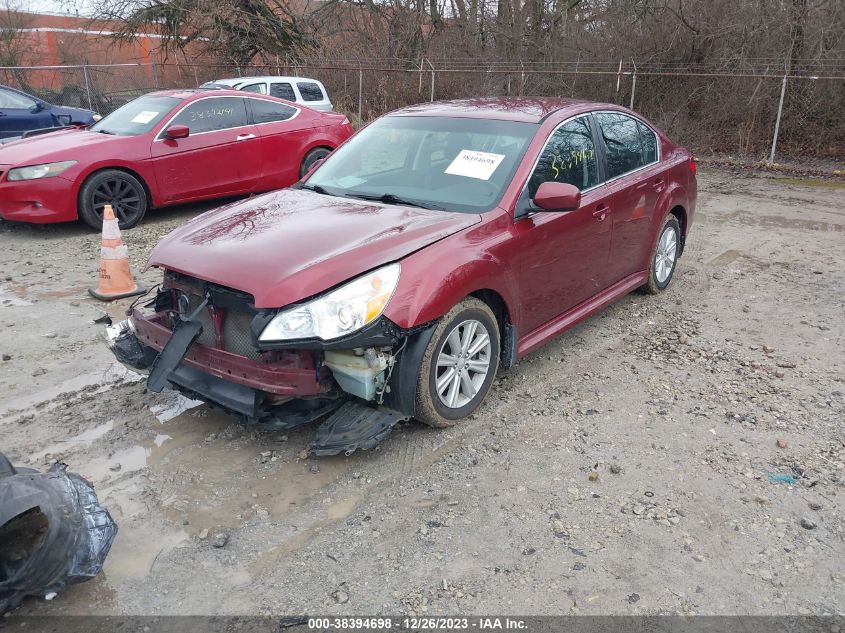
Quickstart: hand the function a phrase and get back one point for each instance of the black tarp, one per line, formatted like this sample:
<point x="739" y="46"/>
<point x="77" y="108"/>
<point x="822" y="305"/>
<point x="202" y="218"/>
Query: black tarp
<point x="53" y="532"/>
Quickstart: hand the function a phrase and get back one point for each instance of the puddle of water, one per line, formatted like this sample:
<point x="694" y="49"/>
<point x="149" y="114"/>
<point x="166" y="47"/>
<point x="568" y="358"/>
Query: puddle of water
<point x="130" y="459"/>
<point x="174" y="405"/>
<point x="9" y="298"/>
<point x="49" y="397"/>
<point x="218" y="483"/>
<point x="85" y="438"/>
<point x="134" y="552"/>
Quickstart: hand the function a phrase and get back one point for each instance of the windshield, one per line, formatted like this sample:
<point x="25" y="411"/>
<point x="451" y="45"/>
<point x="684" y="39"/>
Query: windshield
<point x="434" y="162"/>
<point x="137" y="117"/>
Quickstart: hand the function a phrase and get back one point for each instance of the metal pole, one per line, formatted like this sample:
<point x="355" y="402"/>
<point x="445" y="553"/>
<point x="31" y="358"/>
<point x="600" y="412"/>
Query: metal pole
<point x="155" y="75"/>
<point x="633" y="83"/>
<point x="87" y="87"/>
<point x="777" y="121"/>
<point x="360" y="95"/>
<point x="432" y="78"/>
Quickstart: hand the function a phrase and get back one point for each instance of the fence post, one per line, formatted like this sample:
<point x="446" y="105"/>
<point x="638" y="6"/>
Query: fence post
<point x="633" y="89"/>
<point x="633" y="84"/>
<point x="360" y="95"/>
<point x="777" y="121"/>
<point x="87" y="87"/>
<point x="155" y="75"/>
<point x="432" y="78"/>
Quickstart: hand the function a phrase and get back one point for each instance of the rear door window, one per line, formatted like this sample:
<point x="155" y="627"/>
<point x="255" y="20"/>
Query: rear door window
<point x="270" y="111"/>
<point x="260" y="88"/>
<point x="211" y="115"/>
<point x="310" y="91"/>
<point x="622" y="142"/>
<point x="649" y="140"/>
<point x="282" y="90"/>
<point x="569" y="156"/>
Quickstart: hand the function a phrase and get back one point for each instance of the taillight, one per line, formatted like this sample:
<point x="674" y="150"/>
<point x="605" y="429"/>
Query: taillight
<point x="692" y="166"/>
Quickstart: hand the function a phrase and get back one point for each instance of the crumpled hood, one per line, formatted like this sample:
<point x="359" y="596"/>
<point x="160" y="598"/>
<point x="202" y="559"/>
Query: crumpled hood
<point x="292" y="244"/>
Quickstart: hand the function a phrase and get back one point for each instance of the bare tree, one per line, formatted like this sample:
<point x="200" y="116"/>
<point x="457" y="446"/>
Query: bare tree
<point x="232" y="31"/>
<point x="15" y="42"/>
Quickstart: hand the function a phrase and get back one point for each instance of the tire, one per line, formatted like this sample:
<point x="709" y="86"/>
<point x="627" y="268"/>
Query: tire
<point x="664" y="257"/>
<point x="312" y="157"/>
<point x="122" y="190"/>
<point x="432" y="408"/>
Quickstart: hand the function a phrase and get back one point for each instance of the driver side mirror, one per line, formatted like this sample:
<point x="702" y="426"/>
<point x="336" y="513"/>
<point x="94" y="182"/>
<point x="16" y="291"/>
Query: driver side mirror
<point x="557" y="196"/>
<point x="177" y="131"/>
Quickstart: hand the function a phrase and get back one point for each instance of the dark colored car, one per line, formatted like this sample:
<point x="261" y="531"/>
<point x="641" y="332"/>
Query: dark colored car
<point x="164" y="148"/>
<point x="21" y="112"/>
<point x="439" y="243"/>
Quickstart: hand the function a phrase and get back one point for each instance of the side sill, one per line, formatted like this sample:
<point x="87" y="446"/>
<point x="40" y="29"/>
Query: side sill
<point x="549" y="330"/>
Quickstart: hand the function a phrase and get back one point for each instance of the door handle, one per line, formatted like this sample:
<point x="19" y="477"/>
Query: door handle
<point x="601" y="212"/>
<point x="658" y="183"/>
<point x="245" y="137"/>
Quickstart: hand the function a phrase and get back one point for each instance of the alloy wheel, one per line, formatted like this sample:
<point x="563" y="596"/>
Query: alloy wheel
<point x="122" y="195"/>
<point x="463" y="363"/>
<point x="664" y="258"/>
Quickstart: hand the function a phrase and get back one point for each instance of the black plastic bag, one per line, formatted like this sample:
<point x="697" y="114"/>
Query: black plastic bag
<point x="53" y="532"/>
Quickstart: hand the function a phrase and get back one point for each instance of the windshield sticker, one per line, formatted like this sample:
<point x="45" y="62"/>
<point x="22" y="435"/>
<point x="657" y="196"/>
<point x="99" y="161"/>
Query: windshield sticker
<point x="480" y="165"/>
<point x="144" y="117"/>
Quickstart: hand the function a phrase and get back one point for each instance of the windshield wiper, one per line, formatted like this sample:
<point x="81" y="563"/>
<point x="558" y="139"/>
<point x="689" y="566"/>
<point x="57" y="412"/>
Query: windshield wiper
<point x="101" y="131"/>
<point x="314" y="188"/>
<point x="389" y="198"/>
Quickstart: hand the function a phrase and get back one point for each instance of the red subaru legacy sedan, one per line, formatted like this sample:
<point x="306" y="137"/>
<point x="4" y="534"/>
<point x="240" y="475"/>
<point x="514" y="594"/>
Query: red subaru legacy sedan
<point x="164" y="148"/>
<point x="440" y="243"/>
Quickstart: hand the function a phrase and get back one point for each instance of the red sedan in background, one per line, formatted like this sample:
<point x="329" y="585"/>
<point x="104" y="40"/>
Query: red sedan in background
<point x="165" y="148"/>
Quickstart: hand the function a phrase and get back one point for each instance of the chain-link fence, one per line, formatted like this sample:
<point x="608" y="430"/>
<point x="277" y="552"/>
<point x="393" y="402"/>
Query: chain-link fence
<point x="742" y="114"/>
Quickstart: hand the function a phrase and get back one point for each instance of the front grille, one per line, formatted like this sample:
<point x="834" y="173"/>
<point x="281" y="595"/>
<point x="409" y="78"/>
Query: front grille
<point x="237" y="308"/>
<point x="236" y="335"/>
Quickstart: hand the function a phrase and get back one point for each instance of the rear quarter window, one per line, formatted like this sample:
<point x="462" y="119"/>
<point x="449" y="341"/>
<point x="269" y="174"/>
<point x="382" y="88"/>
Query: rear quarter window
<point x="310" y="91"/>
<point x="282" y="90"/>
<point x="269" y="111"/>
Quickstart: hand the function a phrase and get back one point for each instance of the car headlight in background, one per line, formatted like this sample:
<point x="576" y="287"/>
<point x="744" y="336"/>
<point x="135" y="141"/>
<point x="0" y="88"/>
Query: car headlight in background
<point x="47" y="170"/>
<point x="339" y="312"/>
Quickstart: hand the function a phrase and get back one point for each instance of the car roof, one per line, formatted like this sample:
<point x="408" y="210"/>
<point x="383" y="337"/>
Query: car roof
<point x="188" y="93"/>
<point x="232" y="81"/>
<point x="526" y="109"/>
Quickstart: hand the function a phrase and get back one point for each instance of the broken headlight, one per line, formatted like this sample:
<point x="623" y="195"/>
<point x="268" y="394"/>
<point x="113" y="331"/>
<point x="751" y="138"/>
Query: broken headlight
<point x="339" y="312"/>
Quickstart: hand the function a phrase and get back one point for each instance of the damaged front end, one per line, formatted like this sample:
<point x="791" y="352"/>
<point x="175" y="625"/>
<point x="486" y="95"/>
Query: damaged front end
<point x="53" y="532"/>
<point x="206" y="341"/>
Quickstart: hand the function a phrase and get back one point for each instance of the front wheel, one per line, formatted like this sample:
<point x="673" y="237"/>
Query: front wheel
<point x="459" y="364"/>
<point x="123" y="191"/>
<point x="664" y="257"/>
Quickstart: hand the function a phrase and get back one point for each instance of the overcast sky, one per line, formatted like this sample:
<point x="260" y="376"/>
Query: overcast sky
<point x="64" y="7"/>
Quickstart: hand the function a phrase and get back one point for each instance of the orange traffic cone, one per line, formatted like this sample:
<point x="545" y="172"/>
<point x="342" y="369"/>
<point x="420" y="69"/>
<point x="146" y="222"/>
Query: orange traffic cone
<point x="116" y="280"/>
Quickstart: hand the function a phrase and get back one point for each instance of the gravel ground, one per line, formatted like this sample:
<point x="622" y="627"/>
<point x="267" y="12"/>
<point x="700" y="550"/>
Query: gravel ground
<point x="629" y="467"/>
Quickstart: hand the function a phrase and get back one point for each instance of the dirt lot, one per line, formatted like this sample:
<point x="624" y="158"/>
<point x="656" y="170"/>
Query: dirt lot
<point x="677" y="402"/>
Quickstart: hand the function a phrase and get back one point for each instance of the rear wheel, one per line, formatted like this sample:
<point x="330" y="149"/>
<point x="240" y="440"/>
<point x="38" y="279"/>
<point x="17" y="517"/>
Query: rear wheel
<point x="318" y="153"/>
<point x="664" y="257"/>
<point x="123" y="191"/>
<point x="459" y="364"/>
